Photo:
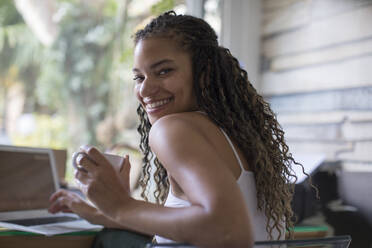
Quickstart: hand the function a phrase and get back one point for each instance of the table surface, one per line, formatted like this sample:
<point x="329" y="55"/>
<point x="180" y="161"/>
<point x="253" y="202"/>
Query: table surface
<point x="15" y="239"/>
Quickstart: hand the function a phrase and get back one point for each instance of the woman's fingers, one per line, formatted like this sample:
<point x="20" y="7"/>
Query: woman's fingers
<point x="56" y="194"/>
<point x="61" y="203"/>
<point x="125" y="172"/>
<point x="85" y="164"/>
<point x="83" y="177"/>
<point x="70" y="202"/>
<point x="94" y="154"/>
<point x="65" y="209"/>
<point x="82" y="181"/>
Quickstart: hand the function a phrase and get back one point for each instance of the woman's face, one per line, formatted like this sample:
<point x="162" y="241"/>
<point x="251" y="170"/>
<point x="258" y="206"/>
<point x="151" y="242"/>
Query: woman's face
<point x="163" y="77"/>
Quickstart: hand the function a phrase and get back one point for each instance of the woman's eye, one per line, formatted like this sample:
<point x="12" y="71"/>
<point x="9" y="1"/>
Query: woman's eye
<point x="165" y="71"/>
<point x="138" y="79"/>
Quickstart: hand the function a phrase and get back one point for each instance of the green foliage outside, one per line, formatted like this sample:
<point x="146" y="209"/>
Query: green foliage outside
<point x="50" y="131"/>
<point x="81" y="82"/>
<point x="161" y="7"/>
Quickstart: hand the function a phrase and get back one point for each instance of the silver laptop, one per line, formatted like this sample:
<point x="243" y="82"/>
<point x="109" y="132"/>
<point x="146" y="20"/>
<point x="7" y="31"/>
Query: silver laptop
<point x="28" y="177"/>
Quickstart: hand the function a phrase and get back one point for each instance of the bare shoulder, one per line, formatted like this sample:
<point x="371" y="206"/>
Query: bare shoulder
<point x="175" y="126"/>
<point x="177" y="134"/>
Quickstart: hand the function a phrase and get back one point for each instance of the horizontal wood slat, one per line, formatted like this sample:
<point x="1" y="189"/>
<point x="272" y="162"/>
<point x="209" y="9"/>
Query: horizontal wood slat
<point x="346" y="74"/>
<point x="323" y="56"/>
<point x="346" y="27"/>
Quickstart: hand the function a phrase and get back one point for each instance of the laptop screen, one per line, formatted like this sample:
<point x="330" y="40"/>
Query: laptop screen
<point x="26" y="180"/>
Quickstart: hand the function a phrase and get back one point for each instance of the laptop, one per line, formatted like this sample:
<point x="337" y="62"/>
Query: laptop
<point x="28" y="177"/>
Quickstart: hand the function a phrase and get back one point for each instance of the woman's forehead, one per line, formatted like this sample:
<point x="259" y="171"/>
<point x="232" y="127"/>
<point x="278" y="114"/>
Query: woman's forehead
<point x="153" y="49"/>
<point x="156" y="44"/>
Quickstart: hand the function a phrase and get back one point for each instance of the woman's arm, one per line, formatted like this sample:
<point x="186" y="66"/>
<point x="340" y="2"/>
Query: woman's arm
<point x="217" y="217"/>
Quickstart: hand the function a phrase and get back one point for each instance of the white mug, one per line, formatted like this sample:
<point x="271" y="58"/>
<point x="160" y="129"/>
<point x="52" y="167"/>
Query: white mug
<point x="114" y="160"/>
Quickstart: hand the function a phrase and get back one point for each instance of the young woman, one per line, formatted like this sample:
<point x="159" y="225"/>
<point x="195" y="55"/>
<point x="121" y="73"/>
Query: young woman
<point x="223" y="170"/>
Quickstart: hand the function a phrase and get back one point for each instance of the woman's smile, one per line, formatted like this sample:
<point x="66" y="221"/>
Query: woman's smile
<point x="158" y="105"/>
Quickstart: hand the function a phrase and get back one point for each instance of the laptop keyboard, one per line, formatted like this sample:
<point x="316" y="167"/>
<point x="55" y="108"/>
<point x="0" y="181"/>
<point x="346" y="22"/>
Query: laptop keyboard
<point x="41" y="221"/>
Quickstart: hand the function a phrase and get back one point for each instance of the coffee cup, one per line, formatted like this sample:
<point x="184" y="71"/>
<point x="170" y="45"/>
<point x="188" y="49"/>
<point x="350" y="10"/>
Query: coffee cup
<point x="114" y="160"/>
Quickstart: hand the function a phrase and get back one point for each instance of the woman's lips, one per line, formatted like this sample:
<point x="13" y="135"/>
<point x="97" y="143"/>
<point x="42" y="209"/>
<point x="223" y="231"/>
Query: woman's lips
<point x="157" y="105"/>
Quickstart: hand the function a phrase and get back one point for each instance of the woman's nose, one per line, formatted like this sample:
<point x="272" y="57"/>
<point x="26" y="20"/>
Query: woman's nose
<point x="149" y="87"/>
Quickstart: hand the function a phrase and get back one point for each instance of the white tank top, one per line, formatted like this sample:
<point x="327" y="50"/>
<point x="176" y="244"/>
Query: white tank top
<point x="247" y="185"/>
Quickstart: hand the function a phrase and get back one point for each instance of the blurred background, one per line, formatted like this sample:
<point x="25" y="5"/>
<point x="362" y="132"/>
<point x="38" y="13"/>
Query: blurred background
<point x="66" y="80"/>
<point x="65" y="72"/>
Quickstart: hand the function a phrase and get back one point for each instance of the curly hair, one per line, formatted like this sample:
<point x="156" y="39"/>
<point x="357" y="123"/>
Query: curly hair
<point x="224" y="92"/>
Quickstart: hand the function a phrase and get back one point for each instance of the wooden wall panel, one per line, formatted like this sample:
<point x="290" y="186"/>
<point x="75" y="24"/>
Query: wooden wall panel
<point x="347" y="131"/>
<point x="346" y="27"/>
<point x="360" y="131"/>
<point x="272" y="5"/>
<point x="316" y="72"/>
<point x="325" y="132"/>
<point x="327" y="117"/>
<point x="361" y="152"/>
<point x="348" y="99"/>
<point x="323" y="56"/>
<point x="330" y="149"/>
<point x="350" y="73"/>
<point x="297" y="14"/>
<point x="285" y="15"/>
<point x="321" y="9"/>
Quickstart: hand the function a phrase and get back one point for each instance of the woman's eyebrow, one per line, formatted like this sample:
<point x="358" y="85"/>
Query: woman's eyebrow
<point x="163" y="61"/>
<point x="156" y="64"/>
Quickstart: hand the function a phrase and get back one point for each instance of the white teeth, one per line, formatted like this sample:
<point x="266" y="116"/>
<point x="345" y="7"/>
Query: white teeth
<point x="158" y="103"/>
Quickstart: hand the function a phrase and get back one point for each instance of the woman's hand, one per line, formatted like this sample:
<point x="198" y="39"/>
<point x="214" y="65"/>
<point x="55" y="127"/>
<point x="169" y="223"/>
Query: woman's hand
<point x="69" y="202"/>
<point x="107" y="188"/>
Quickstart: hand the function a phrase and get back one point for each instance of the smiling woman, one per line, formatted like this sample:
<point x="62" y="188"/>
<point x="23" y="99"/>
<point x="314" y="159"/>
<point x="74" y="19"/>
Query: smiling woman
<point x="163" y="75"/>
<point x="223" y="170"/>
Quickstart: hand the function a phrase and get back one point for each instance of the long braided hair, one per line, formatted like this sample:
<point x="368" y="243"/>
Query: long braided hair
<point x="224" y="92"/>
